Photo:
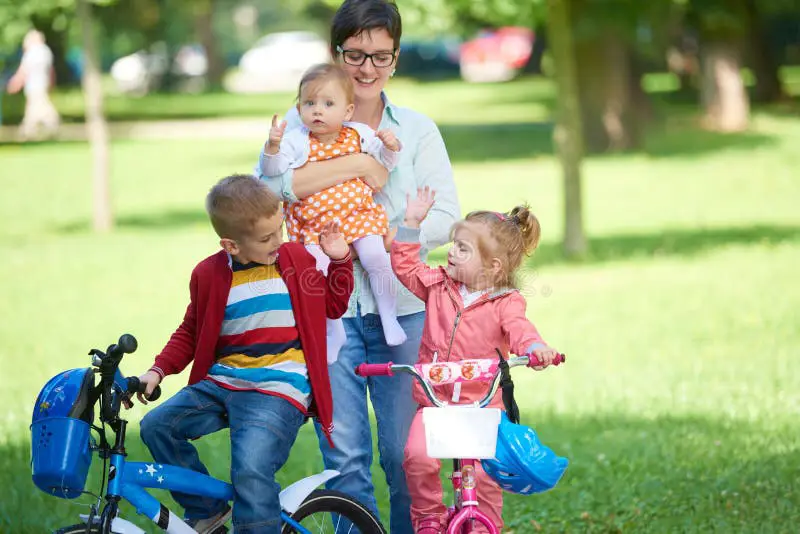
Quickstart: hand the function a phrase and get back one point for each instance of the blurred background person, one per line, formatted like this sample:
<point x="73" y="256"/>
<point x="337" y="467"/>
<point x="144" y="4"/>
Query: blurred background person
<point x="35" y="75"/>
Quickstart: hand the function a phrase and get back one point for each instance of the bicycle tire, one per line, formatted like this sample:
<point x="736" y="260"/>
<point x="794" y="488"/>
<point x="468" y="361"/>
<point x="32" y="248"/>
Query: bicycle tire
<point x="326" y="502"/>
<point x="78" y="528"/>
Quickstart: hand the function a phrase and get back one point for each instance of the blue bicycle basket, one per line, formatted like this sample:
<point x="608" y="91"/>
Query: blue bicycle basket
<point x="521" y="463"/>
<point x="60" y="440"/>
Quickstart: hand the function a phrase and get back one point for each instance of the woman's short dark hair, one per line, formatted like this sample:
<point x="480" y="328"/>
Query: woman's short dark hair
<point x="356" y="16"/>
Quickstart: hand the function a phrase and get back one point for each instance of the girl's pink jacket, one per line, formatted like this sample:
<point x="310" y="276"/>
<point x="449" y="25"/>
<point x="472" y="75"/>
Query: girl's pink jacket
<point x="454" y="332"/>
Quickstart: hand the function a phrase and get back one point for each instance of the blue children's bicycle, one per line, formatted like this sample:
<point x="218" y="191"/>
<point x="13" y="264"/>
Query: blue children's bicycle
<point x="62" y="447"/>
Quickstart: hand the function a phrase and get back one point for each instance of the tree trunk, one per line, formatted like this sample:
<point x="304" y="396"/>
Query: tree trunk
<point x="641" y="105"/>
<point x="606" y="84"/>
<point x="722" y="93"/>
<point x="204" y="27"/>
<point x="534" y="64"/>
<point x="569" y="131"/>
<point x="762" y="57"/>
<point x="682" y="51"/>
<point x="96" y="127"/>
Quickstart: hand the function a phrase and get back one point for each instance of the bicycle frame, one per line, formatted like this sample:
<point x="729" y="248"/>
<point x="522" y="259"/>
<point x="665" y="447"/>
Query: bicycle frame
<point x="465" y="509"/>
<point x="129" y="480"/>
<point x="136" y="476"/>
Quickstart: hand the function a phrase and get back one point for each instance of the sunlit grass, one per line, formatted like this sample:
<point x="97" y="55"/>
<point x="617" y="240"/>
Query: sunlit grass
<point x="678" y="406"/>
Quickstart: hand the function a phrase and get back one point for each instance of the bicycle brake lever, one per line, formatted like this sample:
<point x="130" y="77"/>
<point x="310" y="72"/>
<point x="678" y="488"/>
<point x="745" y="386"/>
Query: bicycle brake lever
<point x="97" y="357"/>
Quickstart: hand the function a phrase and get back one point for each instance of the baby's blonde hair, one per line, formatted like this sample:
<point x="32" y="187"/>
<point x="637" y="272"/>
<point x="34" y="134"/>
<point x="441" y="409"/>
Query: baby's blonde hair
<point x="512" y="236"/>
<point x="317" y="75"/>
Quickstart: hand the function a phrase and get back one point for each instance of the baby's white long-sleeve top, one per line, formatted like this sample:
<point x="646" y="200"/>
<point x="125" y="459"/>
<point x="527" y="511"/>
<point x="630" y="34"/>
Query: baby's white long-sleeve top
<point x="296" y="148"/>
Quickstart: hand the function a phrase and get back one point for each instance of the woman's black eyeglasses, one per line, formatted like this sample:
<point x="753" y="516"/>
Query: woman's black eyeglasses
<point x="380" y="60"/>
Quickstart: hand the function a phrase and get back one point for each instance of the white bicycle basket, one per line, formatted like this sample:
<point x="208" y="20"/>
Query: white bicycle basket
<point x="464" y="432"/>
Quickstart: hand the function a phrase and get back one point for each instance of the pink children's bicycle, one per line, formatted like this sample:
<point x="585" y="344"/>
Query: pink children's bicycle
<point x="468" y="433"/>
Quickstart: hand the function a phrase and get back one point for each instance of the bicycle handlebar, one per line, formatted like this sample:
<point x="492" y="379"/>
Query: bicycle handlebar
<point x="375" y="369"/>
<point x="108" y="364"/>
<point x="389" y="369"/>
<point x="136" y="386"/>
<point x="558" y="360"/>
<point x="127" y="344"/>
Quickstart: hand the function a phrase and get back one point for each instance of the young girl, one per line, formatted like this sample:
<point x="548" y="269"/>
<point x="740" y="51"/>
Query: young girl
<point x="471" y="309"/>
<point x="325" y="104"/>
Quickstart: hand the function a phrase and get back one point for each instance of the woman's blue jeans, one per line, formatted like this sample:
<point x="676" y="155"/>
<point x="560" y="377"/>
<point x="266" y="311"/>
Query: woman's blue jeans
<point x="394" y="409"/>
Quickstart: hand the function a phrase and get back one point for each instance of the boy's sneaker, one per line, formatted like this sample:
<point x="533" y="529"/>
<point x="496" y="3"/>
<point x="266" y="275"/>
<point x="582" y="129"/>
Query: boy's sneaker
<point x="211" y="525"/>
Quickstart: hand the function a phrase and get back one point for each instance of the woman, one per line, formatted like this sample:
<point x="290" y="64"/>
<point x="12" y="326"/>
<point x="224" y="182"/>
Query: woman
<point x="365" y="41"/>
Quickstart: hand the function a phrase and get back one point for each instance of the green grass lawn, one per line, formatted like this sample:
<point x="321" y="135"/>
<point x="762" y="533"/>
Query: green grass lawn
<point x="519" y="101"/>
<point x="678" y="407"/>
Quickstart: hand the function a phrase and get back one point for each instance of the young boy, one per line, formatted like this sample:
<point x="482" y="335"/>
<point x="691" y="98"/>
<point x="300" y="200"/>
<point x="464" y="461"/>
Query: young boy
<point x="255" y="332"/>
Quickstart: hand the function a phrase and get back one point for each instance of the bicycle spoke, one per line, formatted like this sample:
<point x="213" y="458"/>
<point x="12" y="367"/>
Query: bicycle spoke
<point x="316" y="521"/>
<point x="329" y="511"/>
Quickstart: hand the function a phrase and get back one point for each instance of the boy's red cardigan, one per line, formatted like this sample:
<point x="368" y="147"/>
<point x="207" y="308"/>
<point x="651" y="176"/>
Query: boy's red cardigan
<point x="314" y="297"/>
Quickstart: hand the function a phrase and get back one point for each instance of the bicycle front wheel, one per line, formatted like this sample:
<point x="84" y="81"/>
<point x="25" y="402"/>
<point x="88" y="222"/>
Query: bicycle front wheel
<point x="329" y="511"/>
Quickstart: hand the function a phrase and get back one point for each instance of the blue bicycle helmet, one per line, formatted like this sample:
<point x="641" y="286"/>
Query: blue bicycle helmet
<point x="60" y="440"/>
<point x="521" y="463"/>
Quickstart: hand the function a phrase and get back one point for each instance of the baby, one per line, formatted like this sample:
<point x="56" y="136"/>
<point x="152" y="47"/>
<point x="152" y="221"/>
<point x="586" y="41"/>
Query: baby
<point x="325" y="104"/>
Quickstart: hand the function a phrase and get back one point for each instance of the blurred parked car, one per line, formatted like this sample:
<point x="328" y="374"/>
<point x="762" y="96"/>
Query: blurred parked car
<point x="145" y="70"/>
<point x="139" y="73"/>
<point x="190" y="61"/>
<point x="496" y="56"/>
<point x="190" y="67"/>
<point x="429" y="58"/>
<point x="277" y="62"/>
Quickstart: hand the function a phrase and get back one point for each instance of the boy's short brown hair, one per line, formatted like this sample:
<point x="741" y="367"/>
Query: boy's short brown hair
<point x="237" y="202"/>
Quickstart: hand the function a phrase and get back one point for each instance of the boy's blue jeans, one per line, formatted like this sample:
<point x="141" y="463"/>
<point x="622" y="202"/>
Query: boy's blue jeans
<point x="394" y="409"/>
<point x="263" y="429"/>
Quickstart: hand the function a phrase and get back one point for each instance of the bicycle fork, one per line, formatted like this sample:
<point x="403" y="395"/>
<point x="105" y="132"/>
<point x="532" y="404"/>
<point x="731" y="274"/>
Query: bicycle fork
<point x="465" y="513"/>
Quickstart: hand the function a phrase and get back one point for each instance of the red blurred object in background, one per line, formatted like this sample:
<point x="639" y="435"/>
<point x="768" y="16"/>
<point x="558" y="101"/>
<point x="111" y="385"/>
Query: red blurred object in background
<point x="496" y="55"/>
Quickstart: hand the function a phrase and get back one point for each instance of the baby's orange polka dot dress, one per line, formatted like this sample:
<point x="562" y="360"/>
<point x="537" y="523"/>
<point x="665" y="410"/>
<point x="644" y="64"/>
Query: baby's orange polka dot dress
<point x="350" y="202"/>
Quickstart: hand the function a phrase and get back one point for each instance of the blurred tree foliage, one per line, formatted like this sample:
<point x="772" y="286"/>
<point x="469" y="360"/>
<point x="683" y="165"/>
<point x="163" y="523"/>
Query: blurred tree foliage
<point x="129" y="26"/>
<point x="52" y="17"/>
<point x="705" y="42"/>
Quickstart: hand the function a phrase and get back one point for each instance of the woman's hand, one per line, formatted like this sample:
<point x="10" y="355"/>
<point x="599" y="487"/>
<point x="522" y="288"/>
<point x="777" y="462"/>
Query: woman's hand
<point x="374" y="174"/>
<point x="417" y="208"/>
<point x="315" y="176"/>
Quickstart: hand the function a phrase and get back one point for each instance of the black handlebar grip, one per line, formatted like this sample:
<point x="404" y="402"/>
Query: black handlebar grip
<point x="127" y="343"/>
<point x="136" y="386"/>
<point x="155" y="394"/>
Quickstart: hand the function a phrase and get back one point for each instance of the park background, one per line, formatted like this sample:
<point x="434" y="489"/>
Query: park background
<point x="656" y="141"/>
